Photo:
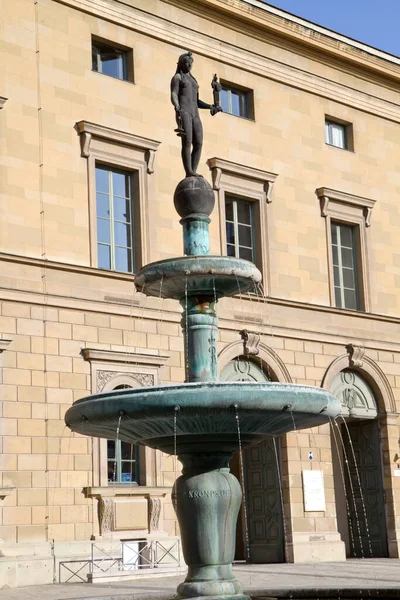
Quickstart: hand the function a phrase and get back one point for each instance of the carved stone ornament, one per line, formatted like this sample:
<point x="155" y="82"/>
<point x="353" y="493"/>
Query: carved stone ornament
<point x="103" y="377"/>
<point x="356" y="353"/>
<point x="251" y="341"/>
<point x="154" y="513"/>
<point x="106" y="513"/>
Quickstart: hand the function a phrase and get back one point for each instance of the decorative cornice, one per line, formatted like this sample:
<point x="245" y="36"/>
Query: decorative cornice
<point x="4" y="345"/>
<point x="326" y="195"/>
<point x="218" y="166"/>
<point x="242" y="58"/>
<point x="129" y="358"/>
<point x="87" y="131"/>
<point x="2" y="101"/>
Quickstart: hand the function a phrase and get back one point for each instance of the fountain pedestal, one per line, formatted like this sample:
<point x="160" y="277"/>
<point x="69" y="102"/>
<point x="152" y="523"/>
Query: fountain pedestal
<point x="207" y="499"/>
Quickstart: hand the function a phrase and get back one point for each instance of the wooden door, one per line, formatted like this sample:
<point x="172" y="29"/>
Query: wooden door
<point x="364" y="436"/>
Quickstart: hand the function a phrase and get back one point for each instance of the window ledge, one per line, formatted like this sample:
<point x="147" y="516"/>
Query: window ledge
<point x="113" y="77"/>
<point x="340" y="148"/>
<point x="125" y="489"/>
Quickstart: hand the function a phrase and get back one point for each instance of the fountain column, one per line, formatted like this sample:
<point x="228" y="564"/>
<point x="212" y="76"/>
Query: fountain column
<point x="194" y="201"/>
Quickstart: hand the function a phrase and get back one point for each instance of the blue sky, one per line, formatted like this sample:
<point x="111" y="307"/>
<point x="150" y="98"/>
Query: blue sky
<point x="375" y="22"/>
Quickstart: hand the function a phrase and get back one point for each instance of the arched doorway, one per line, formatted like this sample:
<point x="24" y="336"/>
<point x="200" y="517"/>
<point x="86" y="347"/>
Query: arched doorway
<point x="261" y="484"/>
<point x="361" y="512"/>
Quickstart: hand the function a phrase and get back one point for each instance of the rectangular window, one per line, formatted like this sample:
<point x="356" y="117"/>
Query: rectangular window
<point x="111" y="60"/>
<point x="122" y="462"/>
<point x="114" y="212"/>
<point x="339" y="134"/>
<point x="239" y="228"/>
<point x="236" y="101"/>
<point x="344" y="261"/>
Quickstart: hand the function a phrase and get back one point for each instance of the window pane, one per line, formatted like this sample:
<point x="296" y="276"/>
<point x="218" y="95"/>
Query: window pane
<point x="128" y="473"/>
<point x="235" y="102"/>
<point x="336" y="276"/>
<point x="229" y="210"/>
<point x="103" y="231"/>
<point x="230" y="250"/>
<point x="224" y="100"/>
<point x="123" y="259"/>
<point x="102" y="180"/>
<point x="245" y="236"/>
<point x="102" y="205"/>
<point x="122" y="210"/>
<point x="246" y="253"/>
<point x="346" y="237"/>
<point x="348" y="278"/>
<point x="335" y="256"/>
<point x="230" y="233"/>
<point x="334" y="233"/>
<point x="104" y="256"/>
<point x="110" y="449"/>
<point x="347" y="257"/>
<point x="350" y="299"/>
<point x="120" y="183"/>
<point x="127" y="451"/>
<point x="122" y="234"/>
<point x="338" y="298"/>
<point x="110" y="472"/>
<point x="111" y="63"/>
<point x="243" y="211"/>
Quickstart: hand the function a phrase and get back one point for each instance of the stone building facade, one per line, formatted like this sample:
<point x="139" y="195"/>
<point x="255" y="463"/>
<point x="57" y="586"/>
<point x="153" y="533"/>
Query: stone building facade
<point x="308" y="146"/>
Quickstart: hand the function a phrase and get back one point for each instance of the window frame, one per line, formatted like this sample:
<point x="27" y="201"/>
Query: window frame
<point x="236" y="223"/>
<point x="355" y="257"/>
<point x="127" y="56"/>
<point x="246" y="93"/>
<point x="133" y="217"/>
<point x="118" y="460"/>
<point x="121" y="151"/>
<point x="356" y="212"/>
<point x="347" y="133"/>
<point x="251" y="185"/>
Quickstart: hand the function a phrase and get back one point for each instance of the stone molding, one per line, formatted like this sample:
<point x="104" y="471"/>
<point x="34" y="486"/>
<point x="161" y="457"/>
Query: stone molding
<point x="2" y="101"/>
<point x="327" y="195"/>
<point x="374" y="376"/>
<point x="87" y="131"/>
<point x="265" y="354"/>
<point x="142" y="358"/>
<point x="218" y="166"/>
<point x="156" y="27"/>
<point x="112" y="491"/>
<point x="122" y="377"/>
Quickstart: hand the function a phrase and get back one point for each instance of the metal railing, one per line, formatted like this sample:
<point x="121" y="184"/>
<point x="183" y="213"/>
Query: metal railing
<point x="134" y="555"/>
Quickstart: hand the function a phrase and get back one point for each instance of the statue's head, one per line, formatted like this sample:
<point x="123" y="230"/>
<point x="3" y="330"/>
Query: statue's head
<point x="185" y="63"/>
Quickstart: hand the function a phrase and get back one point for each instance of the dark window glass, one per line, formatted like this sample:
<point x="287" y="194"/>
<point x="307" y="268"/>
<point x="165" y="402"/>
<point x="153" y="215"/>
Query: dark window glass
<point x="235" y="101"/>
<point x="109" y="60"/>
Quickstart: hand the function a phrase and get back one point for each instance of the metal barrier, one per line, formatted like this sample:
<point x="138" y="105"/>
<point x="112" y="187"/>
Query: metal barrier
<point x="133" y="555"/>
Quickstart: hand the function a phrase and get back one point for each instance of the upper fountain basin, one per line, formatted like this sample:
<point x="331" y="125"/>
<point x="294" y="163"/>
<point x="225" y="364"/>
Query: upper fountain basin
<point x="206" y="418"/>
<point x="214" y="276"/>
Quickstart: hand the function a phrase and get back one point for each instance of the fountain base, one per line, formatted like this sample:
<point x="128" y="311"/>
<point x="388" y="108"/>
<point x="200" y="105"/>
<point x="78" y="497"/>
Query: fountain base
<point x="207" y="499"/>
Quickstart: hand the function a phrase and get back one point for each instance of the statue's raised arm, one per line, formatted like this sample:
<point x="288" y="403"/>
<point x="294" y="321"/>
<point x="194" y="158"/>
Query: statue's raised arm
<point x="186" y="101"/>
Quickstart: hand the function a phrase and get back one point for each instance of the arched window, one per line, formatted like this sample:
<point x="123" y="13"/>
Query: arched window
<point x="122" y="458"/>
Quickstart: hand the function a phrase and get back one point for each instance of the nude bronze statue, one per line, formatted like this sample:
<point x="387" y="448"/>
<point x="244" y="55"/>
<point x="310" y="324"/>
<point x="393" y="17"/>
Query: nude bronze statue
<point x="186" y="101"/>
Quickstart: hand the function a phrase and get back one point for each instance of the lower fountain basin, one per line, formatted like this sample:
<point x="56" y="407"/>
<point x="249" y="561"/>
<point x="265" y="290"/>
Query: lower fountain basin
<point x="206" y="414"/>
<point x="215" y="276"/>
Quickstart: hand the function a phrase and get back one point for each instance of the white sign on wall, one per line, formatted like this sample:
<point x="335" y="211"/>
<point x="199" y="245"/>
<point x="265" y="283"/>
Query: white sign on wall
<point x="313" y="490"/>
